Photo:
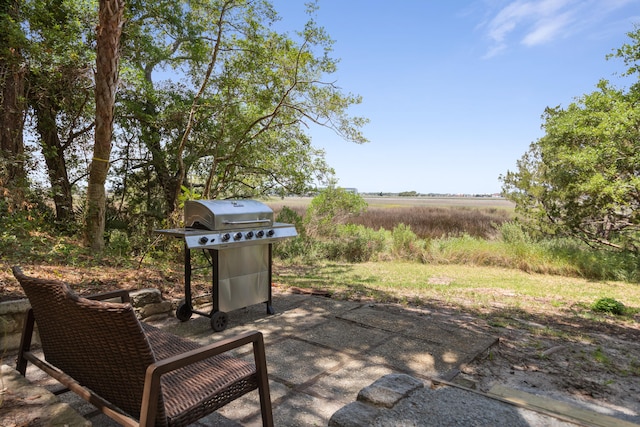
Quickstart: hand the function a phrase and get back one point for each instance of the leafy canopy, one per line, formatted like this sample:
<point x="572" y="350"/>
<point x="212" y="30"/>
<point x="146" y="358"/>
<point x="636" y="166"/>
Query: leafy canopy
<point x="582" y="178"/>
<point x="215" y="101"/>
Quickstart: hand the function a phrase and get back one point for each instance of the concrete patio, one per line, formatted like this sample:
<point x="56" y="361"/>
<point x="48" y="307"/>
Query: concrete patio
<point x="321" y="352"/>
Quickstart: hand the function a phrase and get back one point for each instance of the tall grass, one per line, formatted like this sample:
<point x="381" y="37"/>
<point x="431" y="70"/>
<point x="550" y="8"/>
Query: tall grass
<point x="429" y="222"/>
<point x="529" y="257"/>
<point x="483" y="237"/>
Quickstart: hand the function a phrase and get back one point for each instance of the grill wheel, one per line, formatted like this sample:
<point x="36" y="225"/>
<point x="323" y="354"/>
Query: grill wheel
<point x="219" y="320"/>
<point x="183" y="312"/>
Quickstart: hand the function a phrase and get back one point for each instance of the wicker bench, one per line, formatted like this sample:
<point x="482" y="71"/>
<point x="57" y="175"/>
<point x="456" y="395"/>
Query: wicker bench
<point x="132" y="372"/>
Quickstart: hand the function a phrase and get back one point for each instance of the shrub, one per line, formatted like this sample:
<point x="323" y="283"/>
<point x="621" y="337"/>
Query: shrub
<point x="597" y="264"/>
<point x="402" y="238"/>
<point x="27" y="232"/>
<point x="355" y="243"/>
<point x="471" y="250"/>
<point x="119" y="245"/>
<point x="609" y="306"/>
<point x="330" y="207"/>
<point x="290" y="216"/>
<point x="405" y="244"/>
<point x="395" y="238"/>
<point x="512" y="233"/>
<point x="297" y="247"/>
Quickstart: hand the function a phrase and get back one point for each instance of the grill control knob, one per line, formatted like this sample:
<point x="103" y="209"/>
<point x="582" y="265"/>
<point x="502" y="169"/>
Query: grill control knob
<point x="237" y="236"/>
<point x="260" y="233"/>
<point x="270" y="233"/>
<point x="249" y="235"/>
<point x="203" y="240"/>
<point x="226" y="237"/>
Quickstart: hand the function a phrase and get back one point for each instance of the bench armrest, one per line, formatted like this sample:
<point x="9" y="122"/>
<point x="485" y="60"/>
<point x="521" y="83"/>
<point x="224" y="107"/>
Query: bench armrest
<point x="156" y="370"/>
<point x="123" y="294"/>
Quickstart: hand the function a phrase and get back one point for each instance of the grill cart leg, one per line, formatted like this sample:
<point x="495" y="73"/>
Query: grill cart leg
<point x="219" y="319"/>
<point x="184" y="310"/>
<point x="270" y="309"/>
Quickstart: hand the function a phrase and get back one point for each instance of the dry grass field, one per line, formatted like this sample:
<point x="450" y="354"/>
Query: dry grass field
<point x="428" y="217"/>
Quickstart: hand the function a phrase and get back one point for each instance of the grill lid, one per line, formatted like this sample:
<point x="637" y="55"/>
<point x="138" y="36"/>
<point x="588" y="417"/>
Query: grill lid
<point x="226" y="214"/>
<point x="221" y="224"/>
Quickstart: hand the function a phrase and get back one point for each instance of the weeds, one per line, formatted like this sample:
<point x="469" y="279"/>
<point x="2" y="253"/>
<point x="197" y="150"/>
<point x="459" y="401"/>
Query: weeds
<point x="600" y="357"/>
<point x="634" y="367"/>
<point x="609" y="306"/>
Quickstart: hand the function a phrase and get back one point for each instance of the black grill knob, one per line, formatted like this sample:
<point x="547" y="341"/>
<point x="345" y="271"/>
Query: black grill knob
<point x="203" y="240"/>
<point x="226" y="237"/>
<point x="260" y="233"/>
<point x="270" y="233"/>
<point x="237" y="236"/>
<point x="249" y="235"/>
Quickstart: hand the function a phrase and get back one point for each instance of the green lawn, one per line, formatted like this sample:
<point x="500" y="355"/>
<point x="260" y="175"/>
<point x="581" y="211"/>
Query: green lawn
<point x="466" y="287"/>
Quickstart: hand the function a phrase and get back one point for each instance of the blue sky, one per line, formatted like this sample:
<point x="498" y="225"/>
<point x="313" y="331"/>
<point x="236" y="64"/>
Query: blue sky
<point x="455" y="89"/>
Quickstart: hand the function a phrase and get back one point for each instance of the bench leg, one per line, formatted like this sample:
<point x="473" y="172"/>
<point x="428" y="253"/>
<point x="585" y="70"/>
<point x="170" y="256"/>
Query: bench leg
<point x="263" y="382"/>
<point x="25" y="342"/>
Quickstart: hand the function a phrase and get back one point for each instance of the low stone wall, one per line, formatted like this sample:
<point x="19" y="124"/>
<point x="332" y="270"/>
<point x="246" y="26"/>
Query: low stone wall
<point x="12" y="316"/>
<point x="28" y="405"/>
<point x="146" y="302"/>
<point x="149" y="303"/>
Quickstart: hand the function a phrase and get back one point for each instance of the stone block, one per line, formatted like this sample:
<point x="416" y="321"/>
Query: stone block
<point x="144" y="297"/>
<point x="355" y="414"/>
<point x="388" y="390"/>
<point x="27" y="404"/>
<point x="15" y="306"/>
<point x="153" y="309"/>
<point x="11" y="324"/>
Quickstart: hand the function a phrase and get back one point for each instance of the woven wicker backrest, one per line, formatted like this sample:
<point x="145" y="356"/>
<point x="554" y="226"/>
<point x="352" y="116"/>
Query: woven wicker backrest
<point x="101" y="345"/>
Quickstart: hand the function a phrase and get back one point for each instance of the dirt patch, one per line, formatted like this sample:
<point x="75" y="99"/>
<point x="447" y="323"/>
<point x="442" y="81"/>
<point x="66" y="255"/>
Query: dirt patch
<point x="592" y="361"/>
<point x="92" y="280"/>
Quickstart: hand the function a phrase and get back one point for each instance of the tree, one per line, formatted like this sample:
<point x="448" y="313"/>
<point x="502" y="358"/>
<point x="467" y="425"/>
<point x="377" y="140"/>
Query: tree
<point x="234" y="126"/>
<point x="12" y="102"/>
<point x="46" y="83"/>
<point x="108" y="40"/>
<point x="212" y="102"/>
<point x="60" y="91"/>
<point x="582" y="178"/>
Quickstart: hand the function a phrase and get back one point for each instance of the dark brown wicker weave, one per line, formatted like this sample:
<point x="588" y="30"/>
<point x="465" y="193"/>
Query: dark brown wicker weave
<point x="133" y="372"/>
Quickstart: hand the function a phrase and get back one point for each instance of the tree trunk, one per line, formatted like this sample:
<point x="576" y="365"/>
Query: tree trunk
<point x="167" y="181"/>
<point x="53" y="152"/>
<point x="12" y="110"/>
<point x="107" y="59"/>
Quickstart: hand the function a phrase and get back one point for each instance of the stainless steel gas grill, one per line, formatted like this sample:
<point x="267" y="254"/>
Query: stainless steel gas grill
<point x="238" y="237"/>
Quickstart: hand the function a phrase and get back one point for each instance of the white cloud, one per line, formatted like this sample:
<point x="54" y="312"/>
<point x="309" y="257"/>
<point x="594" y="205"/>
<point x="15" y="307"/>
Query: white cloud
<point x="507" y="20"/>
<point x="536" y="22"/>
<point x="546" y="30"/>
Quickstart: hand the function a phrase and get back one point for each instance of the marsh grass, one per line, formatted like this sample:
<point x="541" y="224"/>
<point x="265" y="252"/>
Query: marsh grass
<point x="427" y="222"/>
<point x="436" y="222"/>
<point x="461" y="233"/>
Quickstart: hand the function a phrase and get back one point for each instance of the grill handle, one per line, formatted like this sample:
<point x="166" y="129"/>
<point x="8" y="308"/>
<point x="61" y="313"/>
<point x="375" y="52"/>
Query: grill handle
<point x="251" y="221"/>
